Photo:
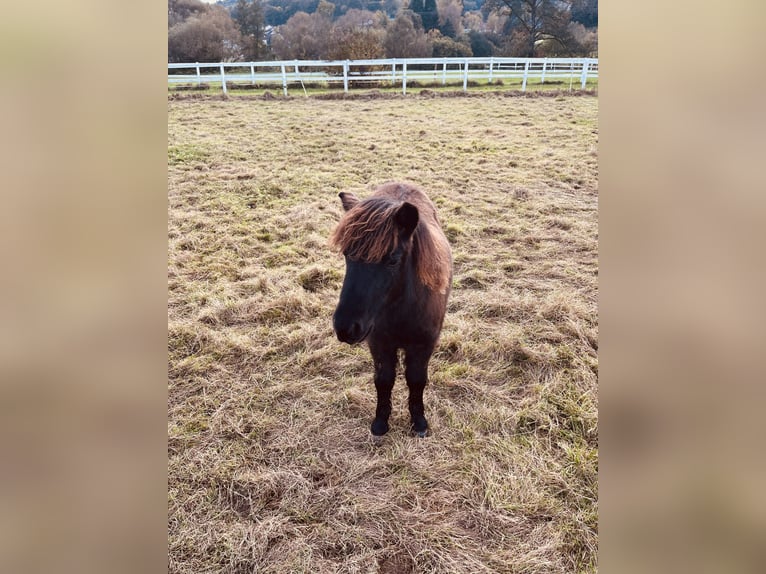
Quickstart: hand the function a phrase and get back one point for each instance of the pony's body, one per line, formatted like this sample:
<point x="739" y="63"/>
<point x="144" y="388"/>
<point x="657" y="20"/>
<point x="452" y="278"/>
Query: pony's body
<point x="394" y="295"/>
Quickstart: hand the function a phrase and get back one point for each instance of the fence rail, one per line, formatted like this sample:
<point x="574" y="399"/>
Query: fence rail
<point x="396" y="72"/>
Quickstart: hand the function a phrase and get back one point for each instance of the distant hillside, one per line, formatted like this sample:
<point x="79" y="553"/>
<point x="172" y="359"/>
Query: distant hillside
<point x="278" y="12"/>
<point x="200" y="32"/>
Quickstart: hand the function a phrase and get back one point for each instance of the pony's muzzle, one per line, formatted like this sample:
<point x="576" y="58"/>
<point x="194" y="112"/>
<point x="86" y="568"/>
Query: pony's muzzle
<point x="351" y="335"/>
<point x="349" y="332"/>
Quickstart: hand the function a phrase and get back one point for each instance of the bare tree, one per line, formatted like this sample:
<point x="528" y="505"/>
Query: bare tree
<point x="473" y="20"/>
<point x="406" y="38"/>
<point x="533" y="21"/>
<point x="358" y="35"/>
<point x="450" y="16"/>
<point x="210" y="36"/>
<point x="302" y="37"/>
<point x="446" y="47"/>
<point x="180" y="10"/>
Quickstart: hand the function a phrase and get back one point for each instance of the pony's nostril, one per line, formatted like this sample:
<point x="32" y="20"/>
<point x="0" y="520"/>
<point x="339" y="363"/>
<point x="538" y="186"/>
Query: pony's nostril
<point x="355" y="330"/>
<point x="351" y="333"/>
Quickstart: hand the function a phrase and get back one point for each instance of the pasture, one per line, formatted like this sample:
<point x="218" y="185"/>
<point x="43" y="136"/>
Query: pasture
<point x="270" y="463"/>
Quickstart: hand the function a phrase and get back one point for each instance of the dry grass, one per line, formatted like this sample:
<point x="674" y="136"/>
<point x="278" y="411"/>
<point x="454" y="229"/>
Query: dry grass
<point x="271" y="468"/>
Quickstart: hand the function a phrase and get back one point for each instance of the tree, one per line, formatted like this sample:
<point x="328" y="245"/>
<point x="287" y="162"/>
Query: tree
<point x="481" y="45"/>
<point x="587" y="38"/>
<point x="473" y="21"/>
<point x="496" y="23"/>
<point x="392" y="7"/>
<point x="326" y="9"/>
<point x="534" y="21"/>
<point x="249" y="16"/>
<point x="278" y="12"/>
<point x="450" y="17"/>
<point x="363" y="19"/>
<point x="302" y="37"/>
<point x="405" y="37"/>
<point x="180" y="10"/>
<point x="446" y="47"/>
<point x="428" y="12"/>
<point x="209" y="36"/>
<point x="358" y="35"/>
<point x="585" y="12"/>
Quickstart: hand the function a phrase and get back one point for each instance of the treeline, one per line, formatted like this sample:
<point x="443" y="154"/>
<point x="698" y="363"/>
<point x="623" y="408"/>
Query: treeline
<point x="250" y="30"/>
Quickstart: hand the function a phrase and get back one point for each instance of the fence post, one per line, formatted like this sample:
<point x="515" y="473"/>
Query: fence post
<point x="584" y="73"/>
<point x="444" y="72"/>
<point x="571" y="74"/>
<point x="393" y="74"/>
<point x="526" y="73"/>
<point x="465" y="75"/>
<point x="199" y="78"/>
<point x="345" y="77"/>
<point x="404" y="78"/>
<point x="223" y="81"/>
<point x="545" y="63"/>
<point x="252" y="73"/>
<point x="491" y="65"/>
<point x="284" y="80"/>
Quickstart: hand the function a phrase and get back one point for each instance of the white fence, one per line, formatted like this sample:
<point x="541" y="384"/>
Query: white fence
<point x="395" y="72"/>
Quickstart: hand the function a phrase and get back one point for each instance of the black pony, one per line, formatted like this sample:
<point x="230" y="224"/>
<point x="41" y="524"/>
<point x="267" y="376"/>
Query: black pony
<point x="394" y="295"/>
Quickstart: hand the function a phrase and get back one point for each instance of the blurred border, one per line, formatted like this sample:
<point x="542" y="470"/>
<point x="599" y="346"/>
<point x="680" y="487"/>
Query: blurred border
<point x="83" y="308"/>
<point x="83" y="312"/>
<point x="681" y="283"/>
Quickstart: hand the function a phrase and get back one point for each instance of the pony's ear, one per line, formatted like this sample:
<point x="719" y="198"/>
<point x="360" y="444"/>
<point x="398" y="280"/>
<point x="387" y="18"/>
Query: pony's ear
<point x="348" y="200"/>
<point x="407" y="219"/>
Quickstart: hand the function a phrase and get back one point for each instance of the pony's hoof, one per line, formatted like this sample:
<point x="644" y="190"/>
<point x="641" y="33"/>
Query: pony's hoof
<point x="419" y="427"/>
<point x="379" y="427"/>
<point x="376" y="440"/>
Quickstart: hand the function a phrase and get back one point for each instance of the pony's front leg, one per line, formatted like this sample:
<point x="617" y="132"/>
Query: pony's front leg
<point x="416" y="372"/>
<point x="384" y="358"/>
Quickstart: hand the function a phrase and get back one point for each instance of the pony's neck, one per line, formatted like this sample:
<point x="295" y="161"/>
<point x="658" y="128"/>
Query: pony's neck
<point x="414" y="289"/>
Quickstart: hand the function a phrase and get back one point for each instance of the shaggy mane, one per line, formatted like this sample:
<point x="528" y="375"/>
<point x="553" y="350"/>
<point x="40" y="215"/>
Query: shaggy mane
<point x="368" y="232"/>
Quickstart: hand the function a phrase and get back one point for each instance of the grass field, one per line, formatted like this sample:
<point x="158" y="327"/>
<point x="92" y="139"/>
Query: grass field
<point x="312" y="88"/>
<point x="271" y="466"/>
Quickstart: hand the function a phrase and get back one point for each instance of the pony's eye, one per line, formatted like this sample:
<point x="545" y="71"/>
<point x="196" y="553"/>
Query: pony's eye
<point x="393" y="259"/>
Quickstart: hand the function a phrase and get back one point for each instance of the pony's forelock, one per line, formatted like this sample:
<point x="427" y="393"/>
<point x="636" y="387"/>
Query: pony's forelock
<point x="368" y="232"/>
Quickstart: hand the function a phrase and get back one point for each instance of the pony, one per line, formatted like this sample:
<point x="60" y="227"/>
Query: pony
<point x="395" y="290"/>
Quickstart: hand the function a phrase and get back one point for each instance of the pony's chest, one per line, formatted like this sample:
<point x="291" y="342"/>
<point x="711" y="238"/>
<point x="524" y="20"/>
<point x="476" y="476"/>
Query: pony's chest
<point x="405" y="325"/>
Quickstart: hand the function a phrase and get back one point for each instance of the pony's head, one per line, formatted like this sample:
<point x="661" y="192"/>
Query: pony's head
<point x="376" y="237"/>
